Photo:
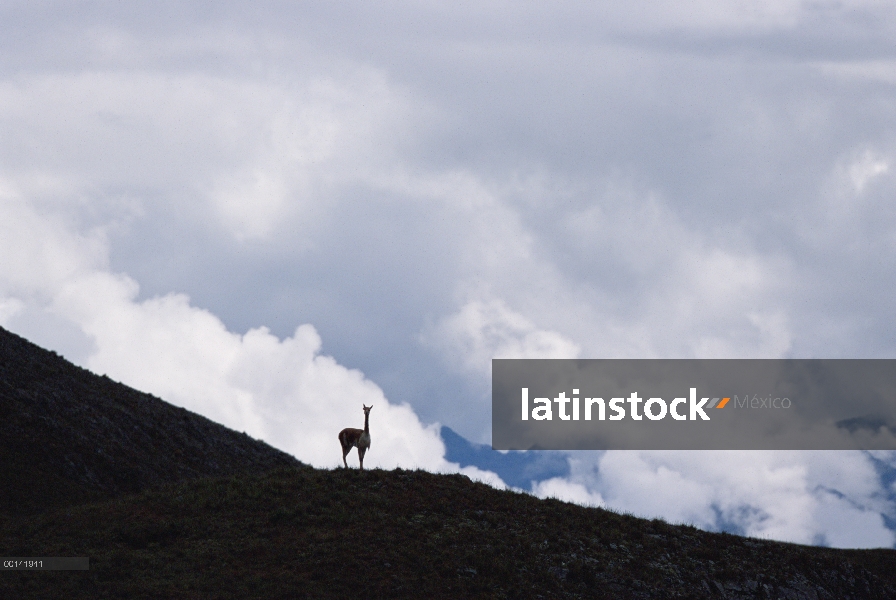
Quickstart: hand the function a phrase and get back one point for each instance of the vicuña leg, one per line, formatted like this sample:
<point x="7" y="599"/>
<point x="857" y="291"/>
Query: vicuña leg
<point x="345" y="452"/>
<point x="349" y="439"/>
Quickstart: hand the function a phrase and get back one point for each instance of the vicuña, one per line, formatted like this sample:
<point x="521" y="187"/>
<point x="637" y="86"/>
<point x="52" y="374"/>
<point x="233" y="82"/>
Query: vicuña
<point x="356" y="438"/>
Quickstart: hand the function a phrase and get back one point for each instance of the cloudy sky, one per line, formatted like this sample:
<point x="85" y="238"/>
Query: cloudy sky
<point x="272" y="212"/>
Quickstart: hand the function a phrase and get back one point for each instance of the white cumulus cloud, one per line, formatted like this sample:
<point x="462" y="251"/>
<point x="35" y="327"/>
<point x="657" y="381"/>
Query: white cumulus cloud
<point x="283" y="391"/>
<point x="828" y="498"/>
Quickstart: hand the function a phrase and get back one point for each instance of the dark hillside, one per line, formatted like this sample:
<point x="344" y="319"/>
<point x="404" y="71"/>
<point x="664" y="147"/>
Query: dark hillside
<point x="167" y="504"/>
<point x="309" y="533"/>
<point x="69" y="436"/>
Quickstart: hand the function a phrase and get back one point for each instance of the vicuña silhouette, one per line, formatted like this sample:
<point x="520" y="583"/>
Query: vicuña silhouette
<point x="356" y="438"/>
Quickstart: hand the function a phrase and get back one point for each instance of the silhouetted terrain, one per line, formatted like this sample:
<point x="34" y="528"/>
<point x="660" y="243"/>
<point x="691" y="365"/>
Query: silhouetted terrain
<point x="310" y="533"/>
<point x="167" y="504"/>
<point x="67" y="436"/>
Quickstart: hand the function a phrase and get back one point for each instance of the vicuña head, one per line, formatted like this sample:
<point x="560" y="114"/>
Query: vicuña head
<point x="356" y="438"/>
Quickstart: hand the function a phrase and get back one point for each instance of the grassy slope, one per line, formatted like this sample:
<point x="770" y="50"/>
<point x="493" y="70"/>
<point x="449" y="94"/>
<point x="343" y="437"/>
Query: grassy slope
<point x="89" y="467"/>
<point x="69" y="436"/>
<point x="302" y="532"/>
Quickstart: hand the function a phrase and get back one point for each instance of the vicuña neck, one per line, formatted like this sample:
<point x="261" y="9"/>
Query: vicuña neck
<point x="367" y="423"/>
